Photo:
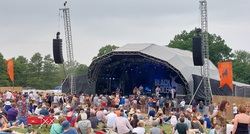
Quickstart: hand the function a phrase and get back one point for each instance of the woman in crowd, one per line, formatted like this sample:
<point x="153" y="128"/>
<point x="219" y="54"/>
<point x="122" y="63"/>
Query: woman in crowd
<point x="241" y="121"/>
<point x="220" y="116"/>
<point x="57" y="128"/>
<point x="195" y="124"/>
<point x="134" y="121"/>
<point x="140" y="128"/>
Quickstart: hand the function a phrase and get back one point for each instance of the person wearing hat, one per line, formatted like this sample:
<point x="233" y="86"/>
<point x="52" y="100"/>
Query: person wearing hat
<point x="83" y="125"/>
<point x="23" y="110"/>
<point x="66" y="128"/>
<point x="235" y="109"/>
<point x="7" y="105"/>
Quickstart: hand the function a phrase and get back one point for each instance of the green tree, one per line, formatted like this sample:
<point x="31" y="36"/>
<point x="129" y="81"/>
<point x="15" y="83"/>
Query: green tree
<point x="218" y="49"/>
<point x="104" y="50"/>
<point x="4" y="78"/>
<point x="241" y="66"/>
<point x="21" y="71"/>
<point x="81" y="69"/>
<point x="49" y="79"/>
<point x="35" y="68"/>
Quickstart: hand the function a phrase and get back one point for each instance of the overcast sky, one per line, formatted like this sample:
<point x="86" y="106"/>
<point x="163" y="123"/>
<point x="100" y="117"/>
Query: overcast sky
<point x="28" y="26"/>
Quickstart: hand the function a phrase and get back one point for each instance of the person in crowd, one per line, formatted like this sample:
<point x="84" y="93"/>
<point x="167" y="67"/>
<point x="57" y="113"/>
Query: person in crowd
<point x="220" y="116"/>
<point x="201" y="107"/>
<point x="83" y="124"/>
<point x="211" y="108"/>
<point x="100" y="115"/>
<point x="56" y="128"/>
<point x="93" y="119"/>
<point x="38" y="109"/>
<point x="122" y="125"/>
<point x="4" y="112"/>
<point x="12" y="113"/>
<point x="67" y="129"/>
<point x="151" y="112"/>
<point x="7" y="105"/>
<point x="195" y="124"/>
<point x="207" y="122"/>
<point x="140" y="128"/>
<point x="44" y="111"/>
<point x="186" y="121"/>
<point x="134" y="121"/>
<point x="159" y="119"/>
<point x="181" y="127"/>
<point x="216" y="129"/>
<point x="182" y="105"/>
<point x="241" y="121"/>
<point x="111" y="118"/>
<point x="71" y="117"/>
<point x="235" y="109"/>
<point x="154" y="129"/>
<point x="23" y="110"/>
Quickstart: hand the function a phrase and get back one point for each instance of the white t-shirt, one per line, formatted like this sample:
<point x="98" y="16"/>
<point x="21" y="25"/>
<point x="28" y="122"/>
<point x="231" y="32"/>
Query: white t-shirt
<point x="235" y="110"/>
<point x="182" y="103"/>
<point x="139" y="130"/>
<point x="8" y="95"/>
<point x="111" y="119"/>
<point x="37" y="111"/>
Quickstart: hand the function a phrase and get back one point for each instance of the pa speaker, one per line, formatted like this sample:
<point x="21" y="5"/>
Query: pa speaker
<point x="57" y="51"/>
<point x="198" y="51"/>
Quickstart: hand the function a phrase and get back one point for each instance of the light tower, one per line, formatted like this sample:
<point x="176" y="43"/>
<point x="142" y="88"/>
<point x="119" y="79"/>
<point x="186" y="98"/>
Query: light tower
<point x="206" y="68"/>
<point x="69" y="47"/>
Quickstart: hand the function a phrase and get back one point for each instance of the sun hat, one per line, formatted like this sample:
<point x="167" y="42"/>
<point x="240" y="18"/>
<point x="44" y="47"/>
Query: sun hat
<point x="65" y="124"/>
<point x="7" y="103"/>
<point x="84" y="116"/>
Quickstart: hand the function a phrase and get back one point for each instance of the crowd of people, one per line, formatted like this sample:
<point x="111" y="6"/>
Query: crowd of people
<point x="101" y="114"/>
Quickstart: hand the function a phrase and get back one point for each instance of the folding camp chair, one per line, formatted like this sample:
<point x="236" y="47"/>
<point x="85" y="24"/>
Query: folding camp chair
<point x="47" y="120"/>
<point x="34" y="120"/>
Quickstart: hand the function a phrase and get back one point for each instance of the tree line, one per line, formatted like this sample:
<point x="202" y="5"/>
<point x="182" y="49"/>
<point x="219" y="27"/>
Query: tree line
<point x="42" y="73"/>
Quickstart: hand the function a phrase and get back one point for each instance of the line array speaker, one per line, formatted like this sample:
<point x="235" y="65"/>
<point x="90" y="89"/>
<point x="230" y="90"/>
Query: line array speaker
<point x="57" y="51"/>
<point x="198" y="58"/>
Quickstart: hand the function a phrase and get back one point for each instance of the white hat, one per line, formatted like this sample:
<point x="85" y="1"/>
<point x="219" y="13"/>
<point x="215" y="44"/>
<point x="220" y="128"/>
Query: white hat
<point x="84" y="116"/>
<point x="68" y="106"/>
<point x="7" y="103"/>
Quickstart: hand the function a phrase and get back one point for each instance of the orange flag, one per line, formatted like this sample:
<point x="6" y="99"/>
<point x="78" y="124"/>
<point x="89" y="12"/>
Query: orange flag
<point x="226" y="74"/>
<point x="10" y="69"/>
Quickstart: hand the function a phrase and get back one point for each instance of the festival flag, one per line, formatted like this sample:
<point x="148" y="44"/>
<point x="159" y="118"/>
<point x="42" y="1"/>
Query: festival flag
<point x="226" y="74"/>
<point x="10" y="69"/>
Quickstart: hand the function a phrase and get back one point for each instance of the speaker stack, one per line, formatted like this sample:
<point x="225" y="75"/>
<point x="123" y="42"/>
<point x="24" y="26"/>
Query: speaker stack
<point x="198" y="58"/>
<point x="57" y="50"/>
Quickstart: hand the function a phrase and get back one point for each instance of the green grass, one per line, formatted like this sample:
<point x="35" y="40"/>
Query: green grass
<point x="45" y="130"/>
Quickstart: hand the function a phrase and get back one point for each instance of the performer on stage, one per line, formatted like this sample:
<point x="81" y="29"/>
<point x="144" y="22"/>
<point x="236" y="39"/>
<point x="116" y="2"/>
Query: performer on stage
<point x="141" y="89"/>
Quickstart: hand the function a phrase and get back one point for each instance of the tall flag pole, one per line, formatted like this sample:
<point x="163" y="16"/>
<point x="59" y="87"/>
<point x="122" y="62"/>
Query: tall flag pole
<point x="10" y="70"/>
<point x="226" y="74"/>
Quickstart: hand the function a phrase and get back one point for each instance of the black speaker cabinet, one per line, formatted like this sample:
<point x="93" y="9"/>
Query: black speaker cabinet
<point x="57" y="51"/>
<point x="198" y="51"/>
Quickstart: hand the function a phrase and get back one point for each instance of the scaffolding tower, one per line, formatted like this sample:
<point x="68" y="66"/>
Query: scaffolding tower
<point x="69" y="47"/>
<point x="206" y="68"/>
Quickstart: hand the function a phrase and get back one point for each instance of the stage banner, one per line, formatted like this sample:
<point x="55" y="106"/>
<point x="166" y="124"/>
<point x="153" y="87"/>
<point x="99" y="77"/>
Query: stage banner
<point x="10" y="69"/>
<point x="226" y="74"/>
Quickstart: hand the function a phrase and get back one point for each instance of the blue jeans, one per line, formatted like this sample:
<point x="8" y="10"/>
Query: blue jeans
<point x="24" y="120"/>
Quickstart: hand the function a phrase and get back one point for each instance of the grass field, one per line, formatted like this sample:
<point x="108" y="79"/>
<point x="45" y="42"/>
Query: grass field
<point x="45" y="130"/>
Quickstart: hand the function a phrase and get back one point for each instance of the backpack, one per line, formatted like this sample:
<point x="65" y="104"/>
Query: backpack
<point x="201" y="105"/>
